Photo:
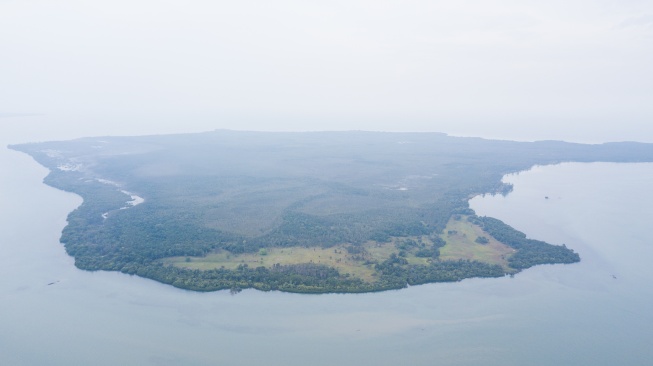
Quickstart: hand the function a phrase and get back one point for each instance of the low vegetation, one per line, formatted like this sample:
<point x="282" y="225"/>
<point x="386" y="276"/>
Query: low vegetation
<point x="462" y="241"/>
<point x="358" y="262"/>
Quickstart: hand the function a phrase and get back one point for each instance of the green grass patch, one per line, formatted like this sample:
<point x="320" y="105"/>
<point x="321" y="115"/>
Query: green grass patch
<point x="358" y="261"/>
<point x="337" y="257"/>
<point x="359" y="264"/>
<point x="461" y="237"/>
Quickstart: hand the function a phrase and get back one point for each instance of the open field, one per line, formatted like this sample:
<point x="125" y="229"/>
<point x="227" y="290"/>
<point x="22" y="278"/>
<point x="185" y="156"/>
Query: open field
<point x="460" y="236"/>
<point x="359" y="265"/>
<point x="336" y="257"/>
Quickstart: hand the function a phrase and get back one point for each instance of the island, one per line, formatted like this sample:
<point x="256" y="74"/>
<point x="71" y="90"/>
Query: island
<point x="307" y="212"/>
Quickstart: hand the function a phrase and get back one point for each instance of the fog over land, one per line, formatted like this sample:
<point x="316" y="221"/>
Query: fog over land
<point x="301" y="212"/>
<point x="527" y="70"/>
<point x="574" y="70"/>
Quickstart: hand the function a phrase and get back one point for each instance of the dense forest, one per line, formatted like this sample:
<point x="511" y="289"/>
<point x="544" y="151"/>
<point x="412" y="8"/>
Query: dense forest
<point x="149" y="198"/>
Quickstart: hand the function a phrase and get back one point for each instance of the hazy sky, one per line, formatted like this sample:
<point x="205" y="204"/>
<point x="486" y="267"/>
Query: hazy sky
<point x="574" y="70"/>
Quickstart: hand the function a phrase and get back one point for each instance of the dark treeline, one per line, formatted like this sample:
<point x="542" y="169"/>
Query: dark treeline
<point x="529" y="252"/>
<point x="312" y="278"/>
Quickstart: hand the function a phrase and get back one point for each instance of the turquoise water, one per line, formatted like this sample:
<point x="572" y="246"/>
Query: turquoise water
<point x="595" y="312"/>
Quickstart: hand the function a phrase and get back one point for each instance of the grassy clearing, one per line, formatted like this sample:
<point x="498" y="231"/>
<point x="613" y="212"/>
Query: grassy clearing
<point x="360" y="265"/>
<point x="461" y="236"/>
<point x="336" y="256"/>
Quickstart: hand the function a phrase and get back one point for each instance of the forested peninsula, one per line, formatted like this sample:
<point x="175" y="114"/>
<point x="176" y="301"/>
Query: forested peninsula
<point x="309" y="212"/>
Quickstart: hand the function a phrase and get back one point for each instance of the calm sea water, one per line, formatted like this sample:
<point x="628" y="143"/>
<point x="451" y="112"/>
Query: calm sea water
<point x="596" y="312"/>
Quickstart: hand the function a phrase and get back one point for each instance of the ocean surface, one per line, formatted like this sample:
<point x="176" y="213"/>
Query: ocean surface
<point x="596" y="312"/>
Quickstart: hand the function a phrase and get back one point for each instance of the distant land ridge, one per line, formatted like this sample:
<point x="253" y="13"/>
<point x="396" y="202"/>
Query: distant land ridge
<point x="308" y="212"/>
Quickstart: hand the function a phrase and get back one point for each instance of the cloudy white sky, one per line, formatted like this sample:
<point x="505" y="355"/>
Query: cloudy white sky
<point x="576" y="70"/>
